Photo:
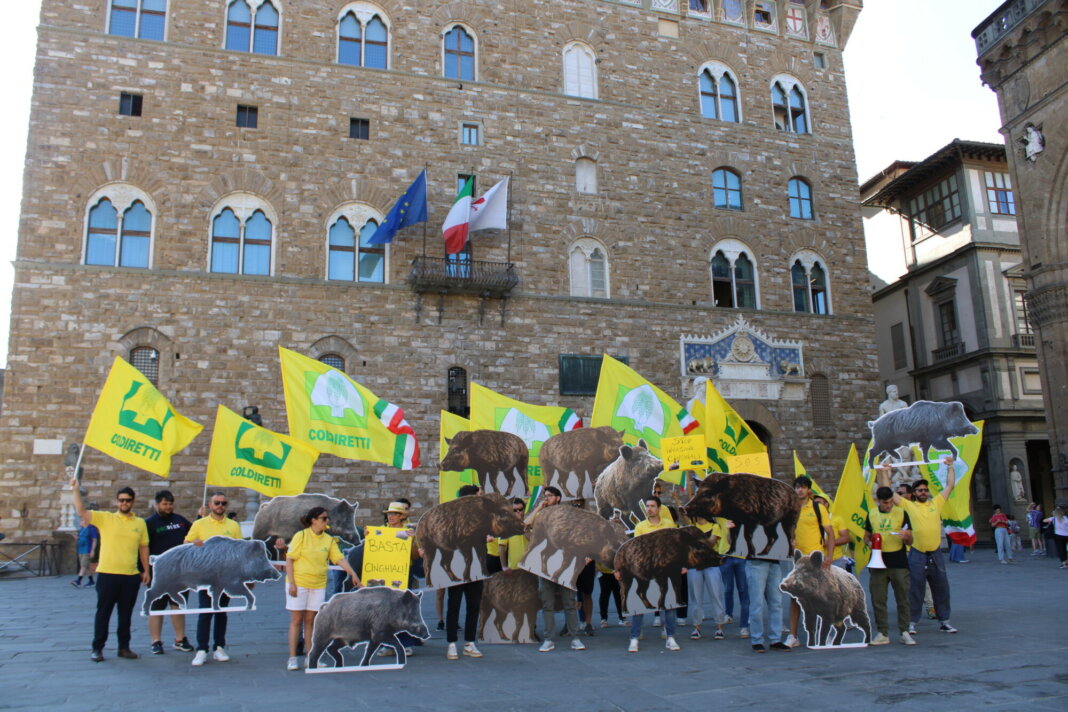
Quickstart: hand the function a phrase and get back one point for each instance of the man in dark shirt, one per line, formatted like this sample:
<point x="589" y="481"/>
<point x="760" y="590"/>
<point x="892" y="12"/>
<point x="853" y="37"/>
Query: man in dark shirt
<point x="892" y="525"/>
<point x="166" y="530"/>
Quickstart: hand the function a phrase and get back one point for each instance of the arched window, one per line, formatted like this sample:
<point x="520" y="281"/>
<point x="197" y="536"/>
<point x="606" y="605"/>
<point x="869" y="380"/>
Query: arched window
<point x="146" y="360"/>
<point x="726" y="189"/>
<point x="342" y="246"/>
<point x="580" y="71"/>
<point x="119" y="227"/>
<point x="588" y="264"/>
<point x="734" y="278"/>
<point x="788" y="105"/>
<point x="350" y="257"/>
<point x="586" y="175"/>
<point x="808" y="282"/>
<point x="457" y="392"/>
<point x="252" y="26"/>
<point x="459" y="49"/>
<point x="719" y="93"/>
<point x="242" y="236"/>
<point x="363" y="37"/>
<point x="800" y="193"/>
<point x="138" y="18"/>
<point x="333" y="361"/>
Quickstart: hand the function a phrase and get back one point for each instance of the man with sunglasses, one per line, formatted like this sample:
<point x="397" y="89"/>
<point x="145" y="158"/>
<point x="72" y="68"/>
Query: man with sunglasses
<point x="215" y="524"/>
<point x="926" y="564"/>
<point x="123" y="542"/>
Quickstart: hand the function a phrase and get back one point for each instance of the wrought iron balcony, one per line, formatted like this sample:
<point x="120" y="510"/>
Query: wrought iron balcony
<point x="1023" y="341"/>
<point x="448" y="276"/>
<point x="949" y="351"/>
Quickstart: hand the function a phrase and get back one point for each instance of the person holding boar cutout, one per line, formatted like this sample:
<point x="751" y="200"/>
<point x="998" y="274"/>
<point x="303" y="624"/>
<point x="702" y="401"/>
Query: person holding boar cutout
<point x="215" y="524"/>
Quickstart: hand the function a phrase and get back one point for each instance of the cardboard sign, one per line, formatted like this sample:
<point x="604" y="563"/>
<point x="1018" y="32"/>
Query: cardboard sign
<point x="756" y="463"/>
<point x="387" y="556"/>
<point x="684" y="453"/>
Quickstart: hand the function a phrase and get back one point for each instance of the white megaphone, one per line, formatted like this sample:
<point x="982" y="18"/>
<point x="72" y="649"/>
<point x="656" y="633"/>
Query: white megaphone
<point x="876" y="561"/>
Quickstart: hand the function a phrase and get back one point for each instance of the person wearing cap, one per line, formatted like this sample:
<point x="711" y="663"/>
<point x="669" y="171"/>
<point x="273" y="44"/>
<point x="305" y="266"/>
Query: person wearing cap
<point x="891" y="523"/>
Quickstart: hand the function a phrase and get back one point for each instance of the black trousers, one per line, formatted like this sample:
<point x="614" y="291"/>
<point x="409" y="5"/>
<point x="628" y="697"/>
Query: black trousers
<point x="204" y="622"/>
<point x="473" y="593"/>
<point x="114" y="590"/>
<point x="610" y="589"/>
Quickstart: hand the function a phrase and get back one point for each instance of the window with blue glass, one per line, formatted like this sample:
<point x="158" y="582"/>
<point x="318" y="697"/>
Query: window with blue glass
<point x="351" y="261"/>
<point x="121" y="237"/>
<point x="363" y="44"/>
<point x="734" y="279"/>
<point x="800" y="193"/>
<point x="459" y="54"/>
<point x="719" y="94"/>
<point x="251" y="27"/>
<point x="726" y="189"/>
<point x="808" y="279"/>
<point x="788" y="105"/>
<point x="145" y="19"/>
<point x="241" y="246"/>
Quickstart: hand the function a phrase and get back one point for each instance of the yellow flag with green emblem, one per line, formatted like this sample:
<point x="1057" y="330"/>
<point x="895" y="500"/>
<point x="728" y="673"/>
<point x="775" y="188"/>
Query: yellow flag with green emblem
<point x="732" y="445"/>
<point x="334" y="414"/>
<point x="800" y="470"/>
<point x="450" y="482"/>
<point x="134" y="423"/>
<point x="244" y="454"/>
<point x="533" y="424"/>
<point x="852" y="502"/>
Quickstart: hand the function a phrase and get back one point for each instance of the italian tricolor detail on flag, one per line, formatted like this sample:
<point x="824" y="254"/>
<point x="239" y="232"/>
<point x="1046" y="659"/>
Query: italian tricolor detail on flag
<point x="457" y="221"/>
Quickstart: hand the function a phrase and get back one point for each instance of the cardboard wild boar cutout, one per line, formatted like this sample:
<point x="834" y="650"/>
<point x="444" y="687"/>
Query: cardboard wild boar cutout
<point x="563" y="537"/>
<point x="499" y="458"/>
<point x="832" y="602"/>
<point x="370" y="616"/>
<point x="510" y="606"/>
<point x="453" y="537"/>
<point x="764" y="512"/>
<point x="573" y="461"/>
<point x="280" y="517"/>
<point x="221" y="564"/>
<point x="627" y="482"/>
<point x="650" y="566"/>
<point x="925" y="424"/>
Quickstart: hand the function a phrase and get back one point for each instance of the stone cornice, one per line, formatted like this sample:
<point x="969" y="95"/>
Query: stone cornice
<point x="1031" y="36"/>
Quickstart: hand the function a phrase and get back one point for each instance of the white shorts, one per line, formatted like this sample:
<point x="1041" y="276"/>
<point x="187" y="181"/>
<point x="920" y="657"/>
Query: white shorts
<point x="307" y="599"/>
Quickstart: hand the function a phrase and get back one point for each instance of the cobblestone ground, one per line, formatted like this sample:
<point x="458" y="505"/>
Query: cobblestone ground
<point x="1011" y="654"/>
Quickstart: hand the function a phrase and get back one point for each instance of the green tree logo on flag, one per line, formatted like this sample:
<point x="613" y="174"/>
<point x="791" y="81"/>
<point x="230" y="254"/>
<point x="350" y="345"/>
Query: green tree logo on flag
<point x="640" y="413"/>
<point x="144" y="401"/>
<point x="257" y="447"/>
<point x="524" y="427"/>
<point x="335" y="400"/>
<point x="734" y="434"/>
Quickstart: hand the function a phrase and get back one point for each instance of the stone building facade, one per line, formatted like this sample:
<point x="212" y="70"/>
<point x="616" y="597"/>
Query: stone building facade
<point x="184" y="197"/>
<point x="1023" y="54"/>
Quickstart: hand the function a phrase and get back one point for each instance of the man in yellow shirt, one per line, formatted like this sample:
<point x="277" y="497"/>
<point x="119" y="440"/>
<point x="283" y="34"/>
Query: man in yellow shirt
<point x="513" y="548"/>
<point x="814" y="532"/>
<point x="926" y="564"/>
<point x="653" y="521"/>
<point x="123" y="542"/>
<point x="215" y="524"/>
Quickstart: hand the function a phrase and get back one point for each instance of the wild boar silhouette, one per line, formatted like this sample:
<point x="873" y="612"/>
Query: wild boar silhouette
<point x="573" y="461"/>
<point x="461" y="526"/>
<point x="831" y="600"/>
<point x="567" y="536"/>
<point x="749" y="501"/>
<point x="659" y="557"/>
<point x="499" y="458"/>
<point x="280" y="517"/>
<point x="510" y="598"/>
<point x="923" y="423"/>
<point x="627" y="482"/>
<point x="375" y="615"/>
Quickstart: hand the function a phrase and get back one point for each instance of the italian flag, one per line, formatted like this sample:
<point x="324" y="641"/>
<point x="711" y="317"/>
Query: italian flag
<point x="457" y="221"/>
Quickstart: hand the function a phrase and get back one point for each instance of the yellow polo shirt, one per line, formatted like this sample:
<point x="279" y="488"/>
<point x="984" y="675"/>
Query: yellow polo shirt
<point x="207" y="527"/>
<point x="885" y="522"/>
<point x="493" y="548"/>
<point x="807" y="535"/>
<point x="838" y="524"/>
<point x="516" y="546"/>
<point x="926" y="522"/>
<point x="645" y="526"/>
<point x="121" y="538"/>
<point x="311" y="554"/>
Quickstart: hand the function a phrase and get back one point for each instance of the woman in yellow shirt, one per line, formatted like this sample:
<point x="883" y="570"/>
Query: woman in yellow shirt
<point x="310" y="553"/>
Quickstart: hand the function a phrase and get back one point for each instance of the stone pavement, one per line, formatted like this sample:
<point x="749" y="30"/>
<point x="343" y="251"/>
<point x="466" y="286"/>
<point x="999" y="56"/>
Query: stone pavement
<point x="1011" y="653"/>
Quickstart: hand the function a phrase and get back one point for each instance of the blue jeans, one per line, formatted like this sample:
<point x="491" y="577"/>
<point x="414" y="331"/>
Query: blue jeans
<point x="706" y="586"/>
<point x="924" y="568"/>
<point x="956" y="552"/>
<point x="670" y="620"/>
<point x="733" y="572"/>
<point x="763" y="578"/>
<point x="1001" y="538"/>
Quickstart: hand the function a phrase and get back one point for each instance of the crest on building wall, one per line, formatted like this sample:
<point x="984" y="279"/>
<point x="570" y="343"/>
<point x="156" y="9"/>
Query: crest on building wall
<point x="796" y="24"/>
<point x="824" y="31"/>
<point x="732" y="11"/>
<point x="744" y="363"/>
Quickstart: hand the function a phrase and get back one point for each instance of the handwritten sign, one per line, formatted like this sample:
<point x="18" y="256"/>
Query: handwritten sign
<point x="683" y="453"/>
<point x="387" y="556"/>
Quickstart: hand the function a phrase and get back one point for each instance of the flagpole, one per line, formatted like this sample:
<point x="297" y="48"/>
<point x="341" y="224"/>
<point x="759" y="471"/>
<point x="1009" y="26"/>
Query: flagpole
<point x="426" y="180"/>
<point x="511" y="187"/>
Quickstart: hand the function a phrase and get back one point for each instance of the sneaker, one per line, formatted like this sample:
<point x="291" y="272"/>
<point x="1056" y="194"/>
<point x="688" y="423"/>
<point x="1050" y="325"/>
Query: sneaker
<point x="728" y="619"/>
<point x="880" y="639"/>
<point x="718" y="635"/>
<point x="743" y="633"/>
<point x="621" y="622"/>
<point x="907" y="639"/>
<point x="946" y="627"/>
<point x="633" y="647"/>
<point x="577" y="644"/>
<point x="671" y="644"/>
<point x="451" y="653"/>
<point x="183" y="645"/>
<point x="547" y="646"/>
<point x="656" y="621"/>
<point x="471" y="651"/>
<point x="385" y="650"/>
<point x="441" y="625"/>
<point x="293" y="664"/>
<point x="696" y="634"/>
<point x="157" y="648"/>
<point x="758" y="648"/>
<point x="663" y="634"/>
<point x="604" y="623"/>
<point x="97" y="656"/>
<point x="791" y="642"/>
<point x="200" y="658"/>
<point x="965" y="561"/>
<point x="588" y="630"/>
<point x="220" y="655"/>
<point x="75" y="583"/>
<point x="780" y="646"/>
<point x="912" y="629"/>
<point x="88" y="584"/>
<point x="409" y="651"/>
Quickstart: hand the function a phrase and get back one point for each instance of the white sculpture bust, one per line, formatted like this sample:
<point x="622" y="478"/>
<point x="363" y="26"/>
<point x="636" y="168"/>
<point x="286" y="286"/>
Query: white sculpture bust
<point x="892" y="402"/>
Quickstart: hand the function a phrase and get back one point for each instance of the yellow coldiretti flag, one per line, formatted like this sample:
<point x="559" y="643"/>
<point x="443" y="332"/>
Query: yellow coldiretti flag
<point x="332" y="413"/>
<point x="800" y="470"/>
<point x="732" y="445"/>
<point x="450" y="482"/>
<point x="633" y="405"/>
<point x="134" y="423"/>
<point x="246" y="455"/>
<point x="852" y="502"/>
<point x="533" y="424"/>
<point x="957" y="513"/>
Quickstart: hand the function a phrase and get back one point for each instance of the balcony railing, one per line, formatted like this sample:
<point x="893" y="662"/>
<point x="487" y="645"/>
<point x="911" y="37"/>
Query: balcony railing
<point x="1002" y="23"/>
<point x="947" y="352"/>
<point x="1023" y="341"/>
<point x="446" y="276"/>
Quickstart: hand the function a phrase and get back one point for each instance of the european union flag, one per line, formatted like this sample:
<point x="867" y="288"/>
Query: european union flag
<point x="409" y="210"/>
